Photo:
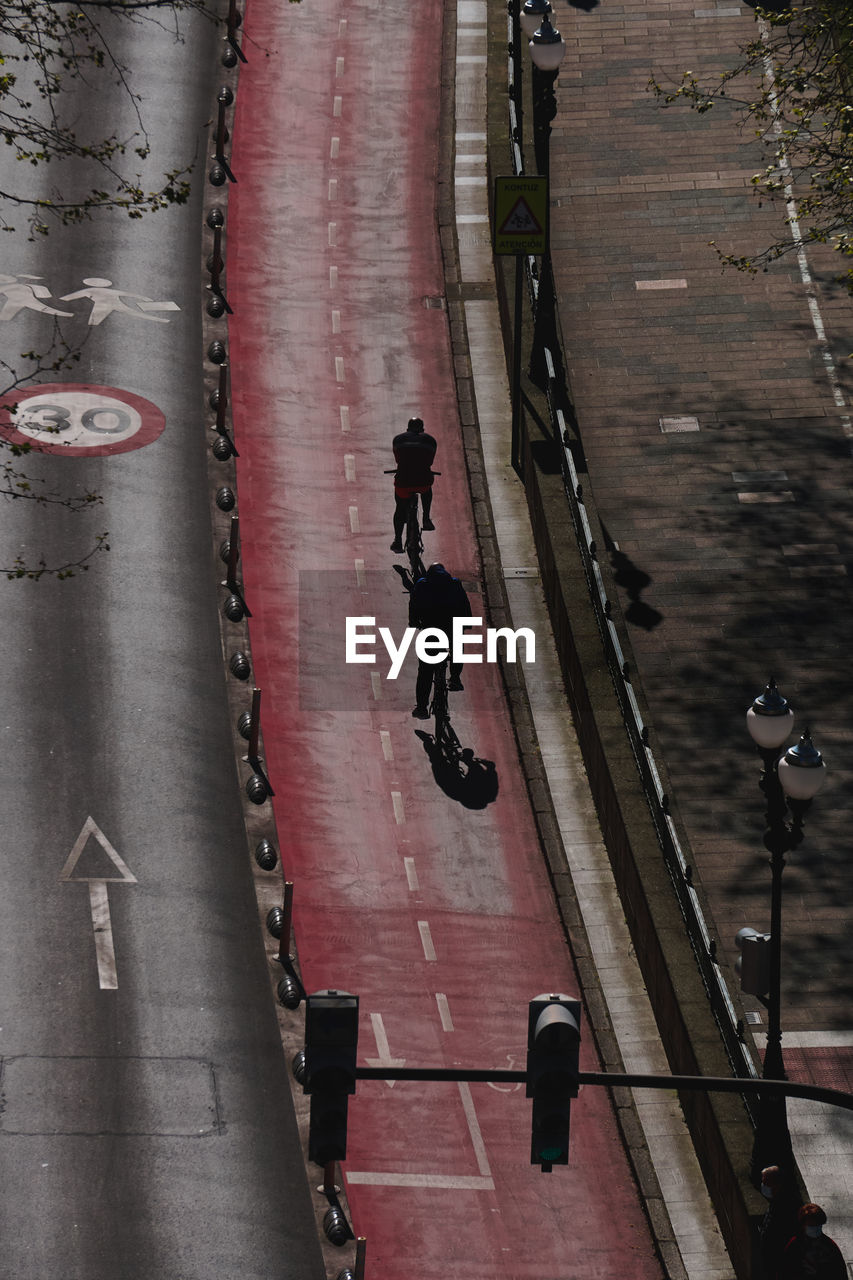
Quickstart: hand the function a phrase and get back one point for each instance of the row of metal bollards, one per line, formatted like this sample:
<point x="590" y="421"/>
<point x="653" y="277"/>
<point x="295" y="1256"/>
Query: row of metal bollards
<point x="290" y="991"/>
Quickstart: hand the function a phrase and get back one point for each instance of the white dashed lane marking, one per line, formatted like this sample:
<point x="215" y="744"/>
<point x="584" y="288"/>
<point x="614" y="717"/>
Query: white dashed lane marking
<point x="426" y="940"/>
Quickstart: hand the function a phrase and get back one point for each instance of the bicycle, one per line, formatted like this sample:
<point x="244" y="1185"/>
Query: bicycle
<point x="413" y="545"/>
<point x="445" y="735"/>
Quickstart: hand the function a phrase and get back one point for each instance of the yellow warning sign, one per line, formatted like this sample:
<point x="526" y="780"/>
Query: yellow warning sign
<point x="521" y="215"/>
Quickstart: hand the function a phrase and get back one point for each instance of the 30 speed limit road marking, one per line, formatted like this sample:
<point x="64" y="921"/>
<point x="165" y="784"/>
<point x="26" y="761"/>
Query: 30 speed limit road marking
<point x="79" y="419"/>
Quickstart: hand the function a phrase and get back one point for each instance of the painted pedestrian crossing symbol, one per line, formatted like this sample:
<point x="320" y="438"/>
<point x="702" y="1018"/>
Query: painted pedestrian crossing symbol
<point x="521" y="214"/>
<point x="520" y="221"/>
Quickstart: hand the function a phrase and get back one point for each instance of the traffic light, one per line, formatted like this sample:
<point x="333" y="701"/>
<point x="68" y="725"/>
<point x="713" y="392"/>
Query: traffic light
<point x="753" y="963"/>
<point x="331" y="1046"/>
<point x="553" y="1044"/>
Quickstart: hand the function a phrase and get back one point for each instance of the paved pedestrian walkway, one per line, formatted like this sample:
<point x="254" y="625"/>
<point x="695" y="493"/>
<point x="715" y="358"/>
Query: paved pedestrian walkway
<point x="688" y="1234"/>
<point x="714" y="410"/>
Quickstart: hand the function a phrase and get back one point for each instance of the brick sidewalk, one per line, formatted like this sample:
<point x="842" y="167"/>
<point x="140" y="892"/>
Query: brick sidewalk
<point x="733" y="539"/>
<point x="720" y="462"/>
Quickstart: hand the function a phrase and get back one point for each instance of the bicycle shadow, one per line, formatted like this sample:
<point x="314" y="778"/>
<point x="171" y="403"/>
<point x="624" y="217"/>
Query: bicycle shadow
<point x="468" y="779"/>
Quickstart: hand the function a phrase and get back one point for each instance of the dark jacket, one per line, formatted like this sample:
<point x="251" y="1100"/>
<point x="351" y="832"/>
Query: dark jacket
<point x="436" y="600"/>
<point x="414" y="452"/>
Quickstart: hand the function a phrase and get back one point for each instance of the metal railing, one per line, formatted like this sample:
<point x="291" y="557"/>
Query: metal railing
<point x="703" y="945"/>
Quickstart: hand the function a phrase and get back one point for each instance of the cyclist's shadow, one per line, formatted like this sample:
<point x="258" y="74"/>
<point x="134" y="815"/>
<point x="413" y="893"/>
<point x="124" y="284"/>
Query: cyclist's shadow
<point x="466" y="778"/>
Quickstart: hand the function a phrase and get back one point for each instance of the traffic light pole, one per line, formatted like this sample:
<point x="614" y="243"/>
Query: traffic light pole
<point x="613" y="1079"/>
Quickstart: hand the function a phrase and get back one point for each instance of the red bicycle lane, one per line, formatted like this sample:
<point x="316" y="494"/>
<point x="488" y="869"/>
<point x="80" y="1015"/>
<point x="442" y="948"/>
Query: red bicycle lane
<point x="423" y="891"/>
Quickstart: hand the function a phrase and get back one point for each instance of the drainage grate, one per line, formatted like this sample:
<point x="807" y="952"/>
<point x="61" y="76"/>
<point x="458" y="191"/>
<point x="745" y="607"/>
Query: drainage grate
<point x="434" y="301"/>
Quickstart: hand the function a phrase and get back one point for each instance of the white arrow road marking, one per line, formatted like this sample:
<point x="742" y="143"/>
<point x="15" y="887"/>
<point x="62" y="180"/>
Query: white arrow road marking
<point x="91" y="828"/>
<point x="105" y="951"/>
<point x="99" y="901"/>
<point x="384" y="1059"/>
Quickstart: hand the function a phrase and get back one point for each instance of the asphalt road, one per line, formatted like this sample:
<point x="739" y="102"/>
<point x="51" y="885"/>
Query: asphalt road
<point x="146" y="1127"/>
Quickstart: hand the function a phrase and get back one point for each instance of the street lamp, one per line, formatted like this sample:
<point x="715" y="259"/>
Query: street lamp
<point x="790" y="782"/>
<point x="547" y="49"/>
<point x="533" y="13"/>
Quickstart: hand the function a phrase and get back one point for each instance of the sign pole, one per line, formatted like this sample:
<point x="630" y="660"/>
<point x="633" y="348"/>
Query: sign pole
<point x="520" y="227"/>
<point x="515" y="447"/>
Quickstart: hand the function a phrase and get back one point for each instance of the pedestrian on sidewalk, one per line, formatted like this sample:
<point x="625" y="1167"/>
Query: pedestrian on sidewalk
<point x="435" y="601"/>
<point x="414" y="454"/>
<point x="779" y="1223"/>
<point x="810" y="1255"/>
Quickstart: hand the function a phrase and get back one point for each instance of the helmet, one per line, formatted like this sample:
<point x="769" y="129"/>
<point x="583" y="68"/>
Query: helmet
<point x="435" y="569"/>
<point x="415" y="424"/>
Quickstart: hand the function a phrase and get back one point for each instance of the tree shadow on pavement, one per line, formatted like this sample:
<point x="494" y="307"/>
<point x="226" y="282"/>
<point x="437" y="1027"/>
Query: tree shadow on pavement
<point x="470" y="780"/>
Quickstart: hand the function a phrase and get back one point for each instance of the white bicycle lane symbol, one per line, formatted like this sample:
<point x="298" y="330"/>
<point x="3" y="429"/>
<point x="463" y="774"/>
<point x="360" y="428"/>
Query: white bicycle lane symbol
<point x="78" y="419"/>
<point x="511" y="1061"/>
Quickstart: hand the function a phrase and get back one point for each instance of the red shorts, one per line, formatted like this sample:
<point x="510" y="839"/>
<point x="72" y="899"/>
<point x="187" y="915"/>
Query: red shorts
<point x="407" y="490"/>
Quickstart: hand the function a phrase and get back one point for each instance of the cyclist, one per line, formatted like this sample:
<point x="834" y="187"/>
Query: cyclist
<point x="435" y="601"/>
<point x="414" y="452"/>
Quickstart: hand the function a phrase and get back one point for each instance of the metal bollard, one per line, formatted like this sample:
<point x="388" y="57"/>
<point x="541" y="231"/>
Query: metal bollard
<point x="234" y="609"/>
<point x="265" y="855"/>
<point x="286" y="923"/>
<point x="240" y="666"/>
<point x="256" y="789"/>
<point x="222" y="397"/>
<point x="233" y="553"/>
<point x="224" y="99"/>
<point x="335" y="1226"/>
<point x="288" y="992"/>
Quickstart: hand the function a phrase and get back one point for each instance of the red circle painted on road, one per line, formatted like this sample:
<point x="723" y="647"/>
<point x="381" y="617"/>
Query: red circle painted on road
<point x="79" y="419"/>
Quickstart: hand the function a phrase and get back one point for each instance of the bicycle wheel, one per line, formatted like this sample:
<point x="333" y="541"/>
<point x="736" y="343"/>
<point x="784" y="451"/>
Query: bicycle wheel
<point x="414" y="546"/>
<point x="440" y="706"/>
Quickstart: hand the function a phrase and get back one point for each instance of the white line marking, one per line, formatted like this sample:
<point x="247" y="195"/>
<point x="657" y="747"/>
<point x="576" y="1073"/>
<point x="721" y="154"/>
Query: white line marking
<point x="444" y="1011"/>
<point x="334" y="148"/>
<point x="797" y="238"/>
<point x="443" y="1182"/>
<point x="353" y="520"/>
<point x="339" y="368"/>
<point x="376" y="685"/>
<point x="104" y="947"/>
<point x="333" y="277"/>
<point x="339" y="67"/>
<point x="344" y="417"/>
<point x="333" y="188"/>
<point x="359" y="572"/>
<point x="349" y="466"/>
<point x="384" y="1059"/>
<point x="333" y="234"/>
<point x="342" y="28"/>
<point x="474" y="1129"/>
<point x="387" y="749"/>
<point x="426" y="940"/>
<point x="471" y="137"/>
<point x="337" y="106"/>
<point x="336" y="322"/>
<point x="411" y="874"/>
<point x="397" y="802"/>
